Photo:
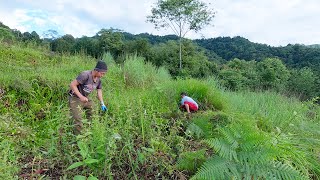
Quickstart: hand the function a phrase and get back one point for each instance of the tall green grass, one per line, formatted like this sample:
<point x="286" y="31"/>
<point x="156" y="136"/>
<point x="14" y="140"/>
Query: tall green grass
<point x="137" y="73"/>
<point x="292" y="123"/>
<point x="143" y="134"/>
<point x="278" y="111"/>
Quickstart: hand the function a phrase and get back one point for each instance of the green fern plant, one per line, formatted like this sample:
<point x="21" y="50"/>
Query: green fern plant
<point x="191" y="161"/>
<point x="194" y="131"/>
<point x="245" y="152"/>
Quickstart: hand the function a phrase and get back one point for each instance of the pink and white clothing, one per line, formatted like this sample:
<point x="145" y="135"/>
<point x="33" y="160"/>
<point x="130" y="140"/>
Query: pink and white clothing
<point x="192" y="104"/>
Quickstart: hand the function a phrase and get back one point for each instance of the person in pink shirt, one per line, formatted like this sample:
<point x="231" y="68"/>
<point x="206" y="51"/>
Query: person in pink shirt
<point x="188" y="103"/>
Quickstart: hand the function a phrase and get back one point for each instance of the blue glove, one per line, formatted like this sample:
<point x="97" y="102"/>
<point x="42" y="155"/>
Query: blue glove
<point x="104" y="108"/>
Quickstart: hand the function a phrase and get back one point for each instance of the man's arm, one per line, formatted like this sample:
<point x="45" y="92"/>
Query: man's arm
<point x="99" y="92"/>
<point x="74" y="88"/>
<point x="103" y="107"/>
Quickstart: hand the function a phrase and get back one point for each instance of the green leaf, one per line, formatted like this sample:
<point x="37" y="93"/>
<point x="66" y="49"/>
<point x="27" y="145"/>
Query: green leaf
<point x="91" y="161"/>
<point x="92" y="178"/>
<point x="141" y="157"/>
<point x="148" y="149"/>
<point x="75" y="165"/>
<point x="195" y="131"/>
<point x="79" y="177"/>
<point x="84" y="150"/>
<point x="191" y="161"/>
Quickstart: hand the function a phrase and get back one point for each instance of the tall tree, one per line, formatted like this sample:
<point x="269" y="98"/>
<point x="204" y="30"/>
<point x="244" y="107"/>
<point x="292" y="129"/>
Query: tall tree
<point x="35" y="37"/>
<point x="87" y="45"/>
<point x="196" y="63"/>
<point x="6" y="34"/>
<point x="181" y="16"/>
<point x="273" y="73"/>
<point x="303" y="82"/>
<point x="111" y="40"/>
<point x="63" y="44"/>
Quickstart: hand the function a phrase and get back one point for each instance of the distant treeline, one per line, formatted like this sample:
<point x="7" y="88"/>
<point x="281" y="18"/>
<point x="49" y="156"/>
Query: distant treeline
<point x="293" y="55"/>
<point x="237" y="62"/>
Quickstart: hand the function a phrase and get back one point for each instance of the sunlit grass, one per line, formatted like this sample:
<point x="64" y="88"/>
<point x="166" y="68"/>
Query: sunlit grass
<point x="295" y="123"/>
<point x="143" y="132"/>
<point x="278" y="110"/>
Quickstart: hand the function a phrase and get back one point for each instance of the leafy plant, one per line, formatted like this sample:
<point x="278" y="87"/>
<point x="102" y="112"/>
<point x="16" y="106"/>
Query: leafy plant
<point x="191" y="161"/>
<point x="245" y="152"/>
<point x="254" y="135"/>
<point x="194" y="131"/>
<point x="79" y="177"/>
<point x="181" y="16"/>
<point x="84" y="152"/>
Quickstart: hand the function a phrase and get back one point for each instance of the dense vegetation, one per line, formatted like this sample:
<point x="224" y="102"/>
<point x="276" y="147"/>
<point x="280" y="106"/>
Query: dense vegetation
<point x="239" y="63"/>
<point x="295" y="56"/>
<point x="251" y="132"/>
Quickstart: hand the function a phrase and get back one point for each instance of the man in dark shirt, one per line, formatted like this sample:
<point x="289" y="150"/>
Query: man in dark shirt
<point x="80" y="88"/>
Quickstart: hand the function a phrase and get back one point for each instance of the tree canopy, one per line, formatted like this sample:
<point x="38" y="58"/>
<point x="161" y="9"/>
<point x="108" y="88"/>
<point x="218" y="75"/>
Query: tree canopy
<point x="181" y="16"/>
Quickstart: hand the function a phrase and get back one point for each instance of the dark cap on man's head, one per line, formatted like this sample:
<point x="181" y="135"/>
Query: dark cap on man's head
<point x="101" y="66"/>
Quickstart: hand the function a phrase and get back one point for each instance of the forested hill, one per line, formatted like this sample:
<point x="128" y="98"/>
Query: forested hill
<point x="296" y="56"/>
<point x="237" y="47"/>
<point x="219" y="49"/>
<point x="153" y="39"/>
<point x="314" y="46"/>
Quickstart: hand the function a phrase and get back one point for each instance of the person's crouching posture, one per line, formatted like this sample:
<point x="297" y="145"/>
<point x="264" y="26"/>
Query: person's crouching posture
<point x="188" y="103"/>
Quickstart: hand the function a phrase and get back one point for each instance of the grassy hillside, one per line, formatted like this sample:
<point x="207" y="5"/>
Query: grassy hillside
<point x="144" y="135"/>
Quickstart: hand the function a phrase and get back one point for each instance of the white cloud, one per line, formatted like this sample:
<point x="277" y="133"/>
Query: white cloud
<point x="39" y="21"/>
<point x="75" y="26"/>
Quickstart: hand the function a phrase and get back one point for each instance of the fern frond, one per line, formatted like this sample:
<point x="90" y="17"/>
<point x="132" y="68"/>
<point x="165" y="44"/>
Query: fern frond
<point x="231" y="134"/>
<point x="217" y="168"/>
<point x="205" y="125"/>
<point x="244" y="149"/>
<point x="222" y="147"/>
<point x="191" y="161"/>
<point x="194" y="131"/>
<point x="253" y="157"/>
<point x="279" y="170"/>
<point x="292" y="150"/>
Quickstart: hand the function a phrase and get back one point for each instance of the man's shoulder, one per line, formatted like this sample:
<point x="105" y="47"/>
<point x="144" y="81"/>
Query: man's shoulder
<point x="86" y="72"/>
<point x="83" y="76"/>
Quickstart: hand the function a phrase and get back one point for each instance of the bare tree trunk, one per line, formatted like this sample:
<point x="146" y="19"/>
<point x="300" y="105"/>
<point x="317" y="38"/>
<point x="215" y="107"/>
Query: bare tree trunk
<point x="180" y="54"/>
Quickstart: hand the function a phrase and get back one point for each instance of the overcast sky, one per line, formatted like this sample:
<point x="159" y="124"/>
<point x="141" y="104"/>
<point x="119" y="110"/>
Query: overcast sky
<point x="272" y="22"/>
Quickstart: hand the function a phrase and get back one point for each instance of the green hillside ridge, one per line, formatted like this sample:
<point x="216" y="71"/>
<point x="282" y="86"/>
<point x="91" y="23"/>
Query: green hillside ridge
<point x="238" y="63"/>
<point x="235" y="135"/>
<point x="314" y="46"/>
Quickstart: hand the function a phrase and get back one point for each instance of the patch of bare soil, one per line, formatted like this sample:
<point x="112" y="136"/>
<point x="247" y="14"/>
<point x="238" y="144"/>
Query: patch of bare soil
<point x="35" y="168"/>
